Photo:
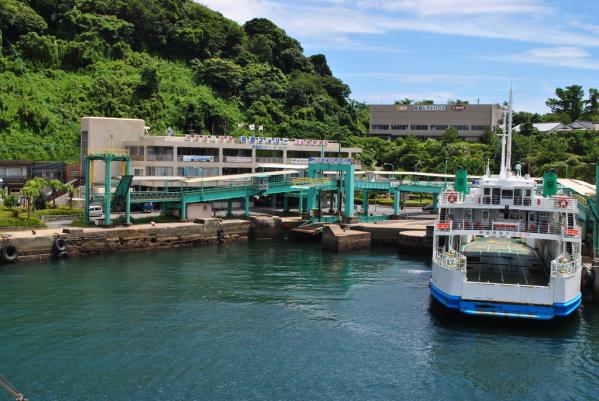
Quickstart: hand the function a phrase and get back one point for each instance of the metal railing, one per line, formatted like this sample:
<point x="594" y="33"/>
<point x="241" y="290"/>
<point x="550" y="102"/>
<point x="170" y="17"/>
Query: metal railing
<point x="109" y="152"/>
<point x="374" y="218"/>
<point x="559" y="203"/>
<point x="239" y="159"/>
<point x="198" y="159"/>
<point x="260" y="159"/>
<point x="450" y="260"/>
<point x="563" y="266"/>
<point x="516" y="228"/>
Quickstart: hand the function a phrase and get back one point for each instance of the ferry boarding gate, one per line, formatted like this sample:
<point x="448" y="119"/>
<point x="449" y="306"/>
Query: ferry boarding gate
<point x="324" y="175"/>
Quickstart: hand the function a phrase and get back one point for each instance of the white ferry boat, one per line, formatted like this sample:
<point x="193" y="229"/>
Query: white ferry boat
<point x="507" y="247"/>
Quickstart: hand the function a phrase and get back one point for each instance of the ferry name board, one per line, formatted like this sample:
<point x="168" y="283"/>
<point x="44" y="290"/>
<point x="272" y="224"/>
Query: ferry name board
<point x="431" y="107"/>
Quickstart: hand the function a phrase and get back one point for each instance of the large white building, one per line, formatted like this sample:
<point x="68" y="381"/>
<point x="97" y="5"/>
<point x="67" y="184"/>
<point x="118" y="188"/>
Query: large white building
<point x="200" y="155"/>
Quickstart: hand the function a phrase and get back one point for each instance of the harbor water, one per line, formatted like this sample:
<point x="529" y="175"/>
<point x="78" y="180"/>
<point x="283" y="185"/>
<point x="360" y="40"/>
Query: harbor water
<point x="272" y="321"/>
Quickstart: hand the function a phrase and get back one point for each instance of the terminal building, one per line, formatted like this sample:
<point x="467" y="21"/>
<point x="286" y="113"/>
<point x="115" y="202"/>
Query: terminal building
<point x="429" y="121"/>
<point x="200" y="155"/>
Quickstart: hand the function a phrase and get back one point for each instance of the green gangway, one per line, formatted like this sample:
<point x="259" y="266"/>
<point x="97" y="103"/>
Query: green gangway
<point x="120" y="194"/>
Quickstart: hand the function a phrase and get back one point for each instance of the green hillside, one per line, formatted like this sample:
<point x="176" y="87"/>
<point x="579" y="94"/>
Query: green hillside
<point x="173" y="63"/>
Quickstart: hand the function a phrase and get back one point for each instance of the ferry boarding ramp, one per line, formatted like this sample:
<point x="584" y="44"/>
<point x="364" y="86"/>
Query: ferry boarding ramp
<point x="505" y="261"/>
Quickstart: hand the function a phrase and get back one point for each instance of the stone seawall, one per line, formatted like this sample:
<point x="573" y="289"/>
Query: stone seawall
<point x="41" y="245"/>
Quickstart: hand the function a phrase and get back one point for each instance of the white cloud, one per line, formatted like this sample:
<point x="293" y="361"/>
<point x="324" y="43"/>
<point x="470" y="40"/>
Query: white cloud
<point x="455" y="7"/>
<point x="385" y="98"/>
<point x="565" y="56"/>
<point x="336" y="23"/>
<point x="426" y="78"/>
<point x="241" y="11"/>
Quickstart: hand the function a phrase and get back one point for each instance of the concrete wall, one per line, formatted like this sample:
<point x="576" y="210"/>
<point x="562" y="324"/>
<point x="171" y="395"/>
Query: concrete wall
<point x="108" y="133"/>
<point x="198" y="211"/>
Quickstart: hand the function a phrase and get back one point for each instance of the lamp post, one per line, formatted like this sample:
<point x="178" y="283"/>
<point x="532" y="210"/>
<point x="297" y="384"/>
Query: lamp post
<point x="566" y="170"/>
<point x="392" y="168"/>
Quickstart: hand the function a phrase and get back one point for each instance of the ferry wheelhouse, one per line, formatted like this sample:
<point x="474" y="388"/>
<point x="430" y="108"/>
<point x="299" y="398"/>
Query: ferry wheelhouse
<point x="507" y="247"/>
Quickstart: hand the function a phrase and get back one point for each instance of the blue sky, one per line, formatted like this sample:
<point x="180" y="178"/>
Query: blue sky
<point x="443" y="49"/>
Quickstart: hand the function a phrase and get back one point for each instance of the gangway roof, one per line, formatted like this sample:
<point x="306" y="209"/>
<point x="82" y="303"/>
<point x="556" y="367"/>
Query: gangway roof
<point x="239" y="177"/>
<point x="583" y="188"/>
<point x="434" y="175"/>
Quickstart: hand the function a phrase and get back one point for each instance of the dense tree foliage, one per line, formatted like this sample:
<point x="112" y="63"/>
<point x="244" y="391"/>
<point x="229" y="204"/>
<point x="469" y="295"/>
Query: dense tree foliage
<point x="174" y="63"/>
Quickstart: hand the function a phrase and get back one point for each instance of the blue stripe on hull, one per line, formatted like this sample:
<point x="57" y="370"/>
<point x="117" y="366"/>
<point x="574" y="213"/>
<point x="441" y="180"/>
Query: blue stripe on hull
<point x="517" y="311"/>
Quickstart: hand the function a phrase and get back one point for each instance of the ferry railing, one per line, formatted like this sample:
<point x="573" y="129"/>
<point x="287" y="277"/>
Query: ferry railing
<point x="450" y="260"/>
<point x="517" y="228"/>
<point x="562" y="266"/>
<point x="558" y="202"/>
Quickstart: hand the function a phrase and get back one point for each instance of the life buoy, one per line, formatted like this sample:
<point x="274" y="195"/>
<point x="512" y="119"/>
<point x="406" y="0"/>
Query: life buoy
<point x="60" y="245"/>
<point x="9" y="253"/>
<point x="563" y="203"/>
<point x="452" y="198"/>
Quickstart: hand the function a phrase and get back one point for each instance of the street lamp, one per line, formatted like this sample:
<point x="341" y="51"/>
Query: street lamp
<point x="566" y="170"/>
<point x="392" y="167"/>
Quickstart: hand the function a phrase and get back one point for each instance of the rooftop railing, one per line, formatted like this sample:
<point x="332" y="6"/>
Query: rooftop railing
<point x="516" y="228"/>
<point x="558" y="202"/>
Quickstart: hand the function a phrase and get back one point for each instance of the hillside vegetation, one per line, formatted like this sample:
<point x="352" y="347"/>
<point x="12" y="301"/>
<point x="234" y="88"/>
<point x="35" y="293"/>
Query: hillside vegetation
<point x="176" y="63"/>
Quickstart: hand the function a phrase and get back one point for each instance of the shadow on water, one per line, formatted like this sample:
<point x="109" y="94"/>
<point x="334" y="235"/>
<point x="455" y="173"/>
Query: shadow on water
<point x="562" y="327"/>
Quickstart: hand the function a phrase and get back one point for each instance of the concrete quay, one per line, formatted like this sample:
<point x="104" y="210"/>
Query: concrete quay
<point x="335" y="238"/>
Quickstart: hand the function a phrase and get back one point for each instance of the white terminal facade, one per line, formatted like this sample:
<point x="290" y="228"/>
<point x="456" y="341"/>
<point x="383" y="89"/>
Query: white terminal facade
<point x="200" y="155"/>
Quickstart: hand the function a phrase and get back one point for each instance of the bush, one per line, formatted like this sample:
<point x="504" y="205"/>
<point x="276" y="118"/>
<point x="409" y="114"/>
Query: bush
<point x="11" y="201"/>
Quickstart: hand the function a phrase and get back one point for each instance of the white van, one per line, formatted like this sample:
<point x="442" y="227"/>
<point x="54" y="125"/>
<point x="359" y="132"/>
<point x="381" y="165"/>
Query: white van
<point x="95" y="211"/>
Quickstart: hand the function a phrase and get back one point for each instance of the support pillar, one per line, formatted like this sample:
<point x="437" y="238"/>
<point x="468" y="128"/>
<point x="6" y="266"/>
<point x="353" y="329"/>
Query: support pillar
<point x="107" y="192"/>
<point x="128" y="201"/>
<point x="87" y="178"/>
<point x="435" y="201"/>
<point x="349" y="192"/>
<point x="365" y="202"/>
<point x="285" y="204"/>
<point x="183" y="214"/>
<point x="332" y="200"/>
<point x="274" y="201"/>
<point x="595" y="222"/>
<point x="229" y="207"/>
<point x="396" y="199"/>
<point x="246" y="208"/>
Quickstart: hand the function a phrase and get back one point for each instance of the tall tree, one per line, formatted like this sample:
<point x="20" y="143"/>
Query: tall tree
<point x="592" y="103"/>
<point x="570" y="100"/>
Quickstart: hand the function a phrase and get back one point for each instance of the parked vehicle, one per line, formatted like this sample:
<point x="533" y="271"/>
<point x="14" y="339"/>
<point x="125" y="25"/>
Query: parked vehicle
<point x="148" y="207"/>
<point x="96" y="211"/>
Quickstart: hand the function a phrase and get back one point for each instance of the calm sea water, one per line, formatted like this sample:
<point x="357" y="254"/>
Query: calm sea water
<point x="263" y="321"/>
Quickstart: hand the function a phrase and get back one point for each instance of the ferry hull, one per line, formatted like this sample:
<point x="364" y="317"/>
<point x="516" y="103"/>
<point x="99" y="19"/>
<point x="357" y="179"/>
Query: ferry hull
<point x="504" y="309"/>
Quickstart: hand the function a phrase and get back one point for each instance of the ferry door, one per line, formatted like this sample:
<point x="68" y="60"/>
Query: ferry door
<point x="484" y="217"/>
<point x="532" y="222"/>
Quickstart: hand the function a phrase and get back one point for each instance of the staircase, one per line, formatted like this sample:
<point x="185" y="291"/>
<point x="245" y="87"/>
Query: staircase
<point x="120" y="194"/>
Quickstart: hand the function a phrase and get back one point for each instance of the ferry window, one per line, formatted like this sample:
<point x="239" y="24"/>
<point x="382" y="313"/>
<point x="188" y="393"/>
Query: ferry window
<point x="507" y="194"/>
<point x="485" y="215"/>
<point x="496" y="193"/>
<point x="528" y="192"/>
<point x="487" y="191"/>
<point x="518" y="196"/>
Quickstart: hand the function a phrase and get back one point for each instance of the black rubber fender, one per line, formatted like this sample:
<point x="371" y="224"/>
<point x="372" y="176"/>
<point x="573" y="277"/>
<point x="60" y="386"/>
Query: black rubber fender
<point x="9" y="253"/>
<point x="63" y="255"/>
<point x="60" y="245"/>
<point x="221" y="235"/>
<point x="588" y="279"/>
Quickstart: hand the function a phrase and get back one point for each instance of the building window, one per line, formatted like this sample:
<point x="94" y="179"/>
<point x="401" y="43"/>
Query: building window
<point x="479" y="127"/>
<point x="438" y="127"/>
<point x="197" y="172"/>
<point x="381" y="127"/>
<point x="138" y="171"/>
<point x="84" y="143"/>
<point x="420" y="127"/>
<point x="160" y="153"/>
<point x="400" y="127"/>
<point x="159" y="171"/>
<point x="461" y="127"/>
<point x="136" y="152"/>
